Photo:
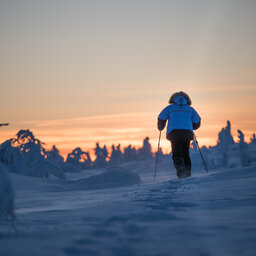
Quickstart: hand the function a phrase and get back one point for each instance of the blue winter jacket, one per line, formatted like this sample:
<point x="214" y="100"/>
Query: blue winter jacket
<point x="180" y="115"/>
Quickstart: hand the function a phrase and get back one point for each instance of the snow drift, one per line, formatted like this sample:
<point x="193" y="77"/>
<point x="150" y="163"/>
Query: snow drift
<point x="110" y="178"/>
<point x="6" y="194"/>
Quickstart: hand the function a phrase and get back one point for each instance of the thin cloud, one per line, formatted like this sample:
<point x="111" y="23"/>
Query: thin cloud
<point x="87" y="119"/>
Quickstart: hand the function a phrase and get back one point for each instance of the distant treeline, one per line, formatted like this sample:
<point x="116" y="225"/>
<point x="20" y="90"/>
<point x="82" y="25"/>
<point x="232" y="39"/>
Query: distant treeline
<point x="26" y="155"/>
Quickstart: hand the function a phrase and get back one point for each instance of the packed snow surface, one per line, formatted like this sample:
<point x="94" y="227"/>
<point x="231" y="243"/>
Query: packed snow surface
<point x="206" y="215"/>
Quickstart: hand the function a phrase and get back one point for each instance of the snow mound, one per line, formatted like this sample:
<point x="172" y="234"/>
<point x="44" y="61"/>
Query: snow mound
<point x="111" y="178"/>
<point x="6" y="194"/>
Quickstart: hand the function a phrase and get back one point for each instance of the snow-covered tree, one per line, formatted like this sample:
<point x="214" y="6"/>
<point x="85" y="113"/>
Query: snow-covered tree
<point x="161" y="154"/>
<point x="101" y="156"/>
<point x="28" y="145"/>
<point x="244" y="156"/>
<point x="105" y="152"/>
<point x="26" y="155"/>
<point x="80" y="159"/>
<point x="11" y="157"/>
<point x="241" y="137"/>
<point x="225" y="136"/>
<point x="225" y="139"/>
<point x="54" y="156"/>
<point x="130" y="154"/>
<point x="6" y="195"/>
<point x="253" y="138"/>
<point x="116" y="157"/>
<point x="145" y="152"/>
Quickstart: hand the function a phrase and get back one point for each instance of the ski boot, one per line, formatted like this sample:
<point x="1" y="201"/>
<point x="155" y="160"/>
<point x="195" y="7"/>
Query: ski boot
<point x="180" y="167"/>
<point x="186" y="172"/>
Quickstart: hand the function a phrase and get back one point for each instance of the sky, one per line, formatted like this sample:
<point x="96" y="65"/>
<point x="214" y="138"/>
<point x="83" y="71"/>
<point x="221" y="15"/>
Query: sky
<point x="76" y="72"/>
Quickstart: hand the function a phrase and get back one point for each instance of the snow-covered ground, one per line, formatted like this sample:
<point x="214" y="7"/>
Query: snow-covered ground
<point x="204" y="215"/>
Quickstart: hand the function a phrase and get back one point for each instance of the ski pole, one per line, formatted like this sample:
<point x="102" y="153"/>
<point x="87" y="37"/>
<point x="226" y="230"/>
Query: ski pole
<point x="201" y="154"/>
<point x="158" y="147"/>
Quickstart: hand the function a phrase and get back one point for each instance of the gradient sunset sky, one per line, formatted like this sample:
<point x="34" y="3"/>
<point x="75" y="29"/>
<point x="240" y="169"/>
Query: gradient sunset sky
<point x="76" y="72"/>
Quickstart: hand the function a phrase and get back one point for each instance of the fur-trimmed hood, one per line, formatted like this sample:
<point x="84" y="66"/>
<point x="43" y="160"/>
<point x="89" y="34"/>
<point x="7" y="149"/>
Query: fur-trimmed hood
<point x="180" y="98"/>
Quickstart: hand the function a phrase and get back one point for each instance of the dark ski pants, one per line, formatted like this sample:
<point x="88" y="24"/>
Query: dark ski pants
<point x="180" y="156"/>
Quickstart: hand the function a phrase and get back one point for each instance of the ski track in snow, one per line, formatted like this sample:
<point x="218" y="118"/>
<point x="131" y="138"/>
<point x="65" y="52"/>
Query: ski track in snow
<point x="204" y="215"/>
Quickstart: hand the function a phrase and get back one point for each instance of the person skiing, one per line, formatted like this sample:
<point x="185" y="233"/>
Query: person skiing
<point x="182" y="120"/>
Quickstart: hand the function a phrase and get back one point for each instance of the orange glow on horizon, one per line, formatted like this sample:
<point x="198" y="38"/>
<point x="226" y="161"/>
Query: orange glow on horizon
<point x="124" y="129"/>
